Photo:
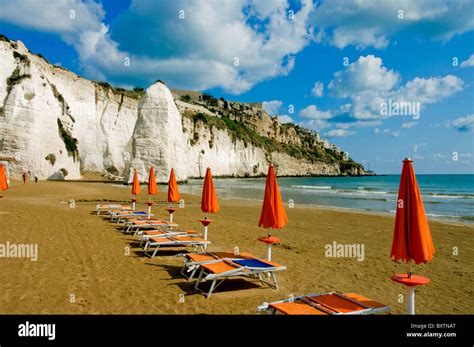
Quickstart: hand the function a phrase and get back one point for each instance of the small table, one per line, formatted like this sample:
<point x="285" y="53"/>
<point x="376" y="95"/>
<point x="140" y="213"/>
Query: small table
<point x="205" y="222"/>
<point x="269" y="241"/>
<point x="410" y="282"/>
<point x="171" y="210"/>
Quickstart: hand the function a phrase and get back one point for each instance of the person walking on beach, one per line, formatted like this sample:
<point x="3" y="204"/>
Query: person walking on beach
<point x="36" y="178"/>
<point x="24" y="176"/>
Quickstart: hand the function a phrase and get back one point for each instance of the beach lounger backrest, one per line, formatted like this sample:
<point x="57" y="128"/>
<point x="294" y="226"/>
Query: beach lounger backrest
<point x="338" y="303"/>
<point x="252" y="263"/>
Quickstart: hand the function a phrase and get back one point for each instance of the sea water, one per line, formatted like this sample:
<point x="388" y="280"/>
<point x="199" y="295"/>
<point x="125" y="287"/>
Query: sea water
<point x="445" y="197"/>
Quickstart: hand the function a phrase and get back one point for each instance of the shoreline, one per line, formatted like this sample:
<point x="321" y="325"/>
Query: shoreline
<point x="349" y="210"/>
<point x="451" y="221"/>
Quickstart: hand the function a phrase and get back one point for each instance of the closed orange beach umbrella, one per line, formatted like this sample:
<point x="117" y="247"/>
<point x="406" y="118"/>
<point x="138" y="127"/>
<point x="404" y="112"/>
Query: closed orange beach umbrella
<point x="412" y="237"/>
<point x="3" y="178"/>
<point x="173" y="192"/>
<point x="136" y="190"/>
<point x="209" y="202"/>
<point x="273" y="214"/>
<point x="152" y="188"/>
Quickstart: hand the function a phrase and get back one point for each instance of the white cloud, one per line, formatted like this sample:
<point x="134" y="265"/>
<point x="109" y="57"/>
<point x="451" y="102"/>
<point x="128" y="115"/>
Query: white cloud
<point x="313" y="112"/>
<point x="409" y="125"/>
<point x="469" y="62"/>
<point x="366" y="74"/>
<point x="272" y="107"/>
<point x="429" y="90"/>
<point x="232" y="44"/>
<point x="358" y="124"/>
<point x="370" y="85"/>
<point x="365" y="23"/>
<point x="318" y="89"/>
<point x="314" y="124"/>
<point x="285" y="119"/>
<point x="439" y="156"/>
<point x="339" y="133"/>
<point x="65" y="17"/>
<point x="462" y="124"/>
<point x="394" y="133"/>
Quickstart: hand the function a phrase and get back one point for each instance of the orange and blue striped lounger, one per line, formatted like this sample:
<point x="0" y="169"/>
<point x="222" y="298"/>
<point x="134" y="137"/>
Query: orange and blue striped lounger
<point x="137" y="225"/>
<point x="219" y="271"/>
<point x="175" y="241"/>
<point x="107" y="208"/>
<point x="123" y="216"/>
<point x="325" y="304"/>
<point x="147" y="235"/>
<point x="193" y="261"/>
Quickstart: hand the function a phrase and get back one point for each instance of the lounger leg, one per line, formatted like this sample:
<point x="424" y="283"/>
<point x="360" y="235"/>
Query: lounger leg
<point x="211" y="289"/>
<point x="193" y="273"/>
<point x="275" y="280"/>
<point x="156" y="251"/>
<point x="196" y="286"/>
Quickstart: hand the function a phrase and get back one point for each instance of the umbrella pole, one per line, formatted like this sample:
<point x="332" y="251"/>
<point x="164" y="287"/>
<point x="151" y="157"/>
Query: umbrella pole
<point x="205" y="231"/>
<point x="149" y="206"/>
<point x="133" y="202"/>
<point x="410" y="292"/>
<point x="269" y="252"/>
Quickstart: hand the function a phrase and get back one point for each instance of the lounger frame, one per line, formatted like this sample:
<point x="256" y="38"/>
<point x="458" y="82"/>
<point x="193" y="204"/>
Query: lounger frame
<point x="239" y="271"/>
<point x="368" y="310"/>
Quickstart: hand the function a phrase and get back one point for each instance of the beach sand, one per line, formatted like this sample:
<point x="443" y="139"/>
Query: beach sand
<point x="82" y="265"/>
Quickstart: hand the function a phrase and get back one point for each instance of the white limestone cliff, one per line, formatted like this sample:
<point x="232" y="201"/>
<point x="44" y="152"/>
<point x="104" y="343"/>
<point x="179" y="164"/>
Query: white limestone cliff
<point x="57" y="124"/>
<point x="158" y="139"/>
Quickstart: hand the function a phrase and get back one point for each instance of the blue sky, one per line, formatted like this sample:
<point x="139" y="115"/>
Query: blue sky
<point x="328" y="65"/>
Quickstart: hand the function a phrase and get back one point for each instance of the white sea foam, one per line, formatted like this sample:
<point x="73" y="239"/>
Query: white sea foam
<point x="312" y="187"/>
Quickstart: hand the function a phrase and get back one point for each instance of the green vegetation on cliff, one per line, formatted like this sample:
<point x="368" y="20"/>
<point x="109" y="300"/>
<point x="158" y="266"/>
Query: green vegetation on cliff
<point x="136" y="93"/>
<point x="69" y="141"/>
<point x="15" y="78"/>
<point x="241" y="131"/>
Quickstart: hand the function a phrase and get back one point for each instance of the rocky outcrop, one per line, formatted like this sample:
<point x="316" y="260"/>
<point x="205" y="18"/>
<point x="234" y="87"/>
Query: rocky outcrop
<point x="58" y="125"/>
<point x="158" y="136"/>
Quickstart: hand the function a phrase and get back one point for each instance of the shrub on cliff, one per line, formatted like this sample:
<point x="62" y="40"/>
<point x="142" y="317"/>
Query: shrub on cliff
<point x="64" y="171"/>
<point x="51" y="158"/>
<point x="20" y="56"/>
<point x="15" y="78"/>
<point x="69" y="141"/>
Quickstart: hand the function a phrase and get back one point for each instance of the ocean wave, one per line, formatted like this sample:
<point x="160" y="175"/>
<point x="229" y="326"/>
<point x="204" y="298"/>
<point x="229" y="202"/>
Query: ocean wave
<point x="437" y="215"/>
<point x="450" y="196"/>
<point x="470" y="218"/>
<point x="312" y="187"/>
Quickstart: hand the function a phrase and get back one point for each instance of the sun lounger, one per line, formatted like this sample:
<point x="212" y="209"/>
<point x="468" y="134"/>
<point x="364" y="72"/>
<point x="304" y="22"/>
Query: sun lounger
<point x="221" y="270"/>
<point x="147" y="235"/>
<point x="177" y="241"/>
<point x="107" y="208"/>
<point x="325" y="304"/>
<point x="193" y="261"/>
<point x="122" y="216"/>
<point x="137" y="225"/>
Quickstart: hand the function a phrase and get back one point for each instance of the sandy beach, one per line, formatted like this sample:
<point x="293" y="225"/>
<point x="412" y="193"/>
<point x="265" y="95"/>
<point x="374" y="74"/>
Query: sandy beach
<point x="83" y="266"/>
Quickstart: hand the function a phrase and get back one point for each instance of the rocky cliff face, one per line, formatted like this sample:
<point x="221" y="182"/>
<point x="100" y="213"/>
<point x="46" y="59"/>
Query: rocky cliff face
<point x="58" y="125"/>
